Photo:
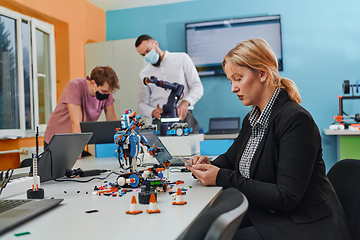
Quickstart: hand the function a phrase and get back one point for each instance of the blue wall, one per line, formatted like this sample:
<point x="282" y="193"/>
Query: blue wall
<point x="321" y="48"/>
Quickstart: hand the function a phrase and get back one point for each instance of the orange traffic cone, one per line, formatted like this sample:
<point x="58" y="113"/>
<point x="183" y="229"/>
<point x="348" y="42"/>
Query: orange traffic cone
<point x="134" y="208"/>
<point x="179" y="198"/>
<point x="152" y="205"/>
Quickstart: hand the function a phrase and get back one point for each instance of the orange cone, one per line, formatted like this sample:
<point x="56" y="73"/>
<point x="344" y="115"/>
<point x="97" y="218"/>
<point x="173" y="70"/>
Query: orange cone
<point x="179" y="198"/>
<point x="152" y="205"/>
<point x="134" y="208"/>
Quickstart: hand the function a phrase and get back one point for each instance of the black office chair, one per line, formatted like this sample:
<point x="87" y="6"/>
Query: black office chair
<point x="221" y="219"/>
<point x="26" y="162"/>
<point x="345" y="177"/>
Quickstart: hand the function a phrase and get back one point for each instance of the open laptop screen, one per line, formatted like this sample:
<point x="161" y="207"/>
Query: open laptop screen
<point x="103" y="132"/>
<point x="154" y="140"/>
<point x="224" y="125"/>
<point x="61" y="154"/>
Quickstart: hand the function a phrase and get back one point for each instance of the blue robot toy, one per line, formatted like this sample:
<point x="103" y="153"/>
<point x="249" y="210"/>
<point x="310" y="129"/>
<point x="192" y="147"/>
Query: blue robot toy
<point x="130" y="142"/>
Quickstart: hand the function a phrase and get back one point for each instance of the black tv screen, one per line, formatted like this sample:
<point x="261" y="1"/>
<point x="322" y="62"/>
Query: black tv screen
<point x="208" y="42"/>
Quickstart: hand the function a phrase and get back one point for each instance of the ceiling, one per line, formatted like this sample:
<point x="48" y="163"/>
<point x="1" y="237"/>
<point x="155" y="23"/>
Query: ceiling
<point x="109" y="5"/>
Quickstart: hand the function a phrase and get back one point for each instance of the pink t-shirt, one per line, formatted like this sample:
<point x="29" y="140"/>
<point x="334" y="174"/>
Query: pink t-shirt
<point x="76" y="92"/>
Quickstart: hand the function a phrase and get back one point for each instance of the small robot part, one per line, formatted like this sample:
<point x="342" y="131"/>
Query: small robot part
<point x="179" y="129"/>
<point x="35" y="192"/>
<point x="130" y="142"/>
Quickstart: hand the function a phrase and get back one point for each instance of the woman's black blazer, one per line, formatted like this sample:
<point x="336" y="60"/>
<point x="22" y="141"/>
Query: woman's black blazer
<point x="290" y="197"/>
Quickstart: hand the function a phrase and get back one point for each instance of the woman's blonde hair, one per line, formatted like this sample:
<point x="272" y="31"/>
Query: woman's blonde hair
<point x="258" y="56"/>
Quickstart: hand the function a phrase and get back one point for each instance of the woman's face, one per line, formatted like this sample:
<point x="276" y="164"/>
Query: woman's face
<point x="246" y="84"/>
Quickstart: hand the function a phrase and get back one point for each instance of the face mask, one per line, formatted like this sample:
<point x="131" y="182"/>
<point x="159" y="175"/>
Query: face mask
<point x="152" y="57"/>
<point x="101" y="97"/>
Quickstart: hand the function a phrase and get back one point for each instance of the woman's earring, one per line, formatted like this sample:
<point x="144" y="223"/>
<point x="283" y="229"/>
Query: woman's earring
<point x="262" y="80"/>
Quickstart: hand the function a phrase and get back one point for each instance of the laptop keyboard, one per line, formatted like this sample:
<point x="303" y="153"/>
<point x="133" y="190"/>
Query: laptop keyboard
<point x="6" y="205"/>
<point x="177" y="162"/>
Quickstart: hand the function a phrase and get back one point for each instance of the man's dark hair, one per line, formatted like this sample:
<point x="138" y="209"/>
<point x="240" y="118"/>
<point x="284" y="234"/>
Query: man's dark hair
<point x="142" y="38"/>
<point x="105" y="74"/>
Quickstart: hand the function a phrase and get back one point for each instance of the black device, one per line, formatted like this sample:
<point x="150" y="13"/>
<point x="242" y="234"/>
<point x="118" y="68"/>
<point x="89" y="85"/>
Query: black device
<point x="170" y="108"/>
<point x="84" y="173"/>
<point x="103" y="131"/>
<point x="228" y="125"/>
<point x="35" y="192"/>
<point x="208" y="42"/>
<point x="346" y="89"/>
<point x="61" y="153"/>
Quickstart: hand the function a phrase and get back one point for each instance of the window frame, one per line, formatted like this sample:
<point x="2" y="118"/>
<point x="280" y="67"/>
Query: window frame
<point x="49" y="29"/>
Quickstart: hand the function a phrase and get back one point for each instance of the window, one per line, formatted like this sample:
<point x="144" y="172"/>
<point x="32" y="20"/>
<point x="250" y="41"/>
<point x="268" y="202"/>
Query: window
<point x="27" y="73"/>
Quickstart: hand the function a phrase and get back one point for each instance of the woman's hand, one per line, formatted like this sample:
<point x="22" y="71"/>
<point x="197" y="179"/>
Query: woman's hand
<point x="205" y="173"/>
<point x="198" y="160"/>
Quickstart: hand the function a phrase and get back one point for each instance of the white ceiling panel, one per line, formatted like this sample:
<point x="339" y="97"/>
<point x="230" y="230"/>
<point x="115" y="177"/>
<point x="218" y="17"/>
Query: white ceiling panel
<point x="108" y="5"/>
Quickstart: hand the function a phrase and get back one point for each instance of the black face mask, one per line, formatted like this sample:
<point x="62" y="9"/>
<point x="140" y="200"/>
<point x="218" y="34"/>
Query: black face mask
<point x="101" y="97"/>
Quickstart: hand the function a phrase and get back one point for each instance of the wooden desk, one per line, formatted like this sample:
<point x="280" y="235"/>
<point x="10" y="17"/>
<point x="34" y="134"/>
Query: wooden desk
<point x="69" y="220"/>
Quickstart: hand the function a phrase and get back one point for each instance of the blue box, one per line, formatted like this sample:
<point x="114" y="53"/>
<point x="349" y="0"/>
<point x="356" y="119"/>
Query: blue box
<point x="105" y="150"/>
<point x="215" y="147"/>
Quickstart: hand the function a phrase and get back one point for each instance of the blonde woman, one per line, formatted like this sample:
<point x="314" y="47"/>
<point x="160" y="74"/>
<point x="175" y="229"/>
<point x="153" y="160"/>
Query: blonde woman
<point x="276" y="160"/>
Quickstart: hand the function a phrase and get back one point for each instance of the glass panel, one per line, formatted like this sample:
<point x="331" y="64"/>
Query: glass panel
<point x="43" y="75"/>
<point x="25" y="27"/>
<point x="9" y="104"/>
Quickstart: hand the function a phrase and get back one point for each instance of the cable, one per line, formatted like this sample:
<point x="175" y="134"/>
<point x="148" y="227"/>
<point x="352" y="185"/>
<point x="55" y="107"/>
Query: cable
<point x="84" y="181"/>
<point x="2" y="180"/>
<point x="73" y="180"/>
<point x="175" y="169"/>
<point x="7" y="177"/>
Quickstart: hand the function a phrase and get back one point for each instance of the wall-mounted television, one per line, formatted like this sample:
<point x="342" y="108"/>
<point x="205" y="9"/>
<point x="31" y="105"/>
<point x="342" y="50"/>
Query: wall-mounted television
<point x="208" y="42"/>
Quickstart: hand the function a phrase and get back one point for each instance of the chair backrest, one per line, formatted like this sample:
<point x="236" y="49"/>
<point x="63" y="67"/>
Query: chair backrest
<point x="221" y="219"/>
<point x="345" y="177"/>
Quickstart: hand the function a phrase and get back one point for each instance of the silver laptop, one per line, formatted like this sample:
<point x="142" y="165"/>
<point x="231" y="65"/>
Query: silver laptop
<point x="13" y="212"/>
<point x="154" y="140"/>
<point x="61" y="153"/>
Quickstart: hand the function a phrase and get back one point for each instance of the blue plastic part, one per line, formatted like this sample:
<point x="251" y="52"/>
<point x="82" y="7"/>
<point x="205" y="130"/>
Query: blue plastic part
<point x="137" y="180"/>
<point x="134" y="145"/>
<point x="171" y="132"/>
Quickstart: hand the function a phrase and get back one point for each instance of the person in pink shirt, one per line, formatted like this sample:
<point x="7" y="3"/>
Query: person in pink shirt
<point x="83" y="100"/>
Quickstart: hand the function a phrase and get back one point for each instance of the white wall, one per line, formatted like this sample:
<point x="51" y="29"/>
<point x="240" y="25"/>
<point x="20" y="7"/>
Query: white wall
<point x="122" y="56"/>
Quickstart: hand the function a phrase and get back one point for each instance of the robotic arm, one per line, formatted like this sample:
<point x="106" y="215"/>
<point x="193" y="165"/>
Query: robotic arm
<point x="170" y="108"/>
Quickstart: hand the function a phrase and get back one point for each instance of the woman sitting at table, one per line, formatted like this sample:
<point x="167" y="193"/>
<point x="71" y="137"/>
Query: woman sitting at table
<point x="276" y="160"/>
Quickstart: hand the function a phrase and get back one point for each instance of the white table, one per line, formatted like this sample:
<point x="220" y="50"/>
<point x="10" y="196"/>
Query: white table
<point x="69" y="220"/>
<point x="220" y="136"/>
